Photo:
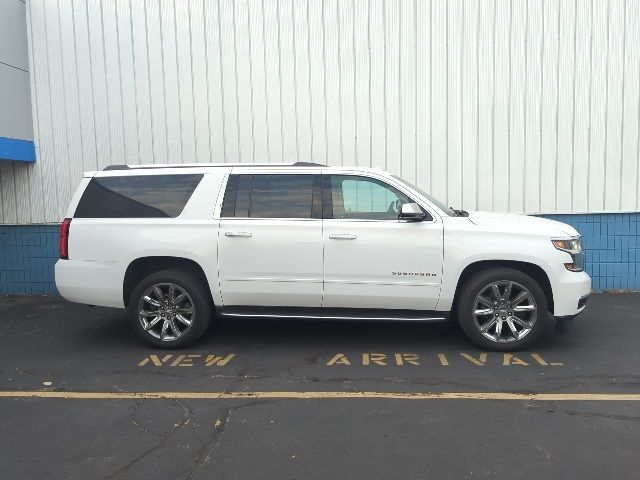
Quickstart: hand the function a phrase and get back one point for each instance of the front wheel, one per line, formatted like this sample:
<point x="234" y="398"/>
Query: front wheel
<point x="170" y="309"/>
<point x="502" y="309"/>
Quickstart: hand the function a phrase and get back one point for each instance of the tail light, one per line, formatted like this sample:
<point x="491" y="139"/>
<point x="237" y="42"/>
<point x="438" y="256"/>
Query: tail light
<point x="64" y="238"/>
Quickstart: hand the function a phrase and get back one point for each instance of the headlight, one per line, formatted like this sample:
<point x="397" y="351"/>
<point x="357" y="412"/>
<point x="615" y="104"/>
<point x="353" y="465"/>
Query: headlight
<point x="573" y="246"/>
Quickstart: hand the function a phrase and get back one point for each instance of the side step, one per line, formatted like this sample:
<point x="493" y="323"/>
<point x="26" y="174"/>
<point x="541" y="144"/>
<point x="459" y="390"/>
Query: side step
<point x="334" y="313"/>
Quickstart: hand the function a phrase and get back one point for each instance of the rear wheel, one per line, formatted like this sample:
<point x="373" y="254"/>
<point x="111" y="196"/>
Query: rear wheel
<point x="502" y="309"/>
<point x="170" y="309"/>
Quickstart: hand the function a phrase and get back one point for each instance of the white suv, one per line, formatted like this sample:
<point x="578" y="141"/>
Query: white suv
<point x="176" y="244"/>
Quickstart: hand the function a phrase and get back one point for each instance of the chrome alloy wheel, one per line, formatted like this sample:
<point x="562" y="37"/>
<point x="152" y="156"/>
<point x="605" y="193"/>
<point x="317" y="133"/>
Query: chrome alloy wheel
<point x="504" y="311"/>
<point x="166" y="311"/>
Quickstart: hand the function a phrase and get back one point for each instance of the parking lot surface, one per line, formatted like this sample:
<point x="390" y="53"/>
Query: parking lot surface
<point x="81" y="397"/>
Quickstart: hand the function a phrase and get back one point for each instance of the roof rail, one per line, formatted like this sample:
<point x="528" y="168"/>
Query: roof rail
<point x="308" y="164"/>
<point x="128" y="167"/>
<point x="116" y="167"/>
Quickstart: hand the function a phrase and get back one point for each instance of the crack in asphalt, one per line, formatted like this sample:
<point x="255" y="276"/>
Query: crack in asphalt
<point x="215" y="439"/>
<point x="124" y="470"/>
<point x="201" y="456"/>
<point x="135" y="422"/>
<point x="221" y="431"/>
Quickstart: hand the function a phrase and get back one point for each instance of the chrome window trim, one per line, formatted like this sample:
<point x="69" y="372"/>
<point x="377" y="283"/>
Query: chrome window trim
<point x="376" y="221"/>
<point x="295" y="219"/>
<point x="433" y="211"/>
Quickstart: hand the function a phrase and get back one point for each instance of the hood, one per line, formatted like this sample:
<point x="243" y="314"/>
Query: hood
<point x="520" y="223"/>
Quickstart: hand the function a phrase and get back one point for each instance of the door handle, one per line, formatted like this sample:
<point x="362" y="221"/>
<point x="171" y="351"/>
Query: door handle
<point x="238" y="234"/>
<point x="342" y="236"/>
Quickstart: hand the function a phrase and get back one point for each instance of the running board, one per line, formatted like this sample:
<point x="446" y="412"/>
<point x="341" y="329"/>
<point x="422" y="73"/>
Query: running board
<point x="334" y="314"/>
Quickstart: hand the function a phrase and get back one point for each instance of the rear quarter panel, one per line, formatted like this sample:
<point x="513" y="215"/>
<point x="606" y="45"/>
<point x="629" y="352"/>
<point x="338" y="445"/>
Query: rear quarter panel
<point x="100" y="249"/>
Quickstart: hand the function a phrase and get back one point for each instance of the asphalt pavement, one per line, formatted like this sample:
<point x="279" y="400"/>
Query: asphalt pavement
<point x="82" y="397"/>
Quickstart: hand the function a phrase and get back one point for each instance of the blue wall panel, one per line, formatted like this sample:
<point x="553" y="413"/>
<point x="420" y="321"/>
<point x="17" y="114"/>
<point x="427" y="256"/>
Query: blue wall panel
<point x="27" y="256"/>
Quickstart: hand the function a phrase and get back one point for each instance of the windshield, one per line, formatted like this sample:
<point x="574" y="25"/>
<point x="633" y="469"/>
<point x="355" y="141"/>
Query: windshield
<point x="447" y="210"/>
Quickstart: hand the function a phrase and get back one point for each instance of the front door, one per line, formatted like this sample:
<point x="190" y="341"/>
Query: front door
<point x="371" y="259"/>
<point x="270" y="241"/>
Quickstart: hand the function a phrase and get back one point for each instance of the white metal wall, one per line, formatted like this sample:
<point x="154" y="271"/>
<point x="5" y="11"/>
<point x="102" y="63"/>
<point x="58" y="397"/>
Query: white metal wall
<point x="516" y="105"/>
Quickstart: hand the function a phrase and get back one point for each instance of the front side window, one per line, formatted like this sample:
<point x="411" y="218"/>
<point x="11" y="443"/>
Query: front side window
<point x="364" y="198"/>
<point x="136" y="196"/>
<point x="272" y="196"/>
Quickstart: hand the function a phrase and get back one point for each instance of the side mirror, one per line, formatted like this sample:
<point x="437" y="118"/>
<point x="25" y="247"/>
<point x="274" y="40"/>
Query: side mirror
<point x="411" y="212"/>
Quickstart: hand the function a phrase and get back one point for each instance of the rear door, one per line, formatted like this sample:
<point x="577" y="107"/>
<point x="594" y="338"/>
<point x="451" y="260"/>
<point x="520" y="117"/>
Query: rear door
<point x="270" y="239"/>
<point x="371" y="259"/>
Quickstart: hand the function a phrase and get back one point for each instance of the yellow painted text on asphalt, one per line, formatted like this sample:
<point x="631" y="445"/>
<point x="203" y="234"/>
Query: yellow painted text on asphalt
<point x="440" y="359"/>
<point x="188" y="360"/>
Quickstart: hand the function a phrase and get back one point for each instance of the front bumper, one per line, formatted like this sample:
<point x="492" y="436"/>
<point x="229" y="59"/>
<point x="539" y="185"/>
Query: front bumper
<point x="564" y="324"/>
<point x="570" y="292"/>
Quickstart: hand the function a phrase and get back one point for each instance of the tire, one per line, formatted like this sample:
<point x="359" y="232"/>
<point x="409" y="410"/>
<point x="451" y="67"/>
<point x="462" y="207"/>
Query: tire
<point x="190" y="315"/>
<point x="526" y="310"/>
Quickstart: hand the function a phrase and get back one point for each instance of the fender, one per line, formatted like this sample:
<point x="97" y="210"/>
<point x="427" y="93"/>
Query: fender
<point x="461" y="251"/>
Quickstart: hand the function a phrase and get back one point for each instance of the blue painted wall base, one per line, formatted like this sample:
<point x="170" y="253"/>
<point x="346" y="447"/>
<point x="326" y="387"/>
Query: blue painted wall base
<point x="612" y="242"/>
<point x="27" y="256"/>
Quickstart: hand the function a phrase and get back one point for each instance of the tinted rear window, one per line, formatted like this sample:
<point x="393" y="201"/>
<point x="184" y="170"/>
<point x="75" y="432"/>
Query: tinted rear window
<point x="273" y="196"/>
<point x="282" y="196"/>
<point x="141" y="196"/>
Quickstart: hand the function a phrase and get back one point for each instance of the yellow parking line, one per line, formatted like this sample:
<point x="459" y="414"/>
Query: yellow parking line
<point x="592" y="397"/>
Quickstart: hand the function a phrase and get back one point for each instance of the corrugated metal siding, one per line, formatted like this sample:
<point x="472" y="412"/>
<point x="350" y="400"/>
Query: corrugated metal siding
<point x="527" y="106"/>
